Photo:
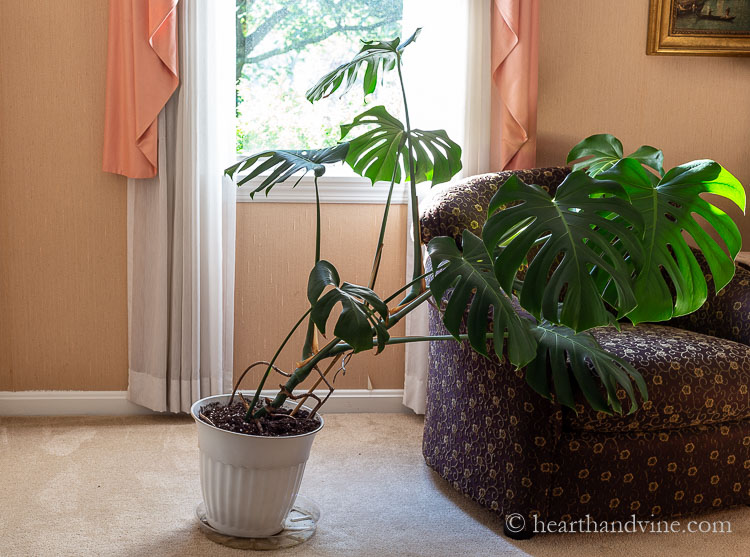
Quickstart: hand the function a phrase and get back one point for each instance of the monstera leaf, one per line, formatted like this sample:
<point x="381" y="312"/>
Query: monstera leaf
<point x="668" y="207"/>
<point x="380" y="153"/>
<point x="605" y="150"/>
<point x="474" y="285"/>
<point x="282" y="164"/>
<point x="570" y="353"/>
<point x="358" y="322"/>
<point x="375" y="56"/>
<point x="579" y="225"/>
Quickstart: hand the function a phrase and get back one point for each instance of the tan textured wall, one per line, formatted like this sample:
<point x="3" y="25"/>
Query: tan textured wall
<point x="594" y="77"/>
<point x="63" y="293"/>
<point x="62" y="221"/>
<point x="275" y="252"/>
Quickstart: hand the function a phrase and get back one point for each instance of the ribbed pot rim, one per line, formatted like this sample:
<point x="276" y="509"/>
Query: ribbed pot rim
<point x="196" y="405"/>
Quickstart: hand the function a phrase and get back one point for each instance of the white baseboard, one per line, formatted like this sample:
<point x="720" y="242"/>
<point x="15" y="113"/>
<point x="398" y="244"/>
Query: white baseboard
<point x="115" y="403"/>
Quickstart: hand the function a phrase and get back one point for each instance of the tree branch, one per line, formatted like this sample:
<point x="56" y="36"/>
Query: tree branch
<point x="299" y="45"/>
<point x="247" y="43"/>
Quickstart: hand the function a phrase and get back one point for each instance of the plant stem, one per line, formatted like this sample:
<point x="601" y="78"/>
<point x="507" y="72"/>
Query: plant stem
<point x="384" y="222"/>
<point x="343" y="347"/>
<point x="331" y="349"/>
<point x="270" y="365"/>
<point x="408" y="308"/>
<point x="307" y="348"/>
<point x="407" y="285"/>
<point x="299" y="375"/>
<point x="317" y="221"/>
<point x="416" y="288"/>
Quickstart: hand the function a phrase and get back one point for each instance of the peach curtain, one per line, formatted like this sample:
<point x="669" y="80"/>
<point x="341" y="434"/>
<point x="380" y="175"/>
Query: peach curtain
<point x="181" y="227"/>
<point x="514" y="58"/>
<point x="142" y="74"/>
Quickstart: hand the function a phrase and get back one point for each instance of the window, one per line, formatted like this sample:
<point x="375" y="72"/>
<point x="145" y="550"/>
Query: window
<point x="283" y="48"/>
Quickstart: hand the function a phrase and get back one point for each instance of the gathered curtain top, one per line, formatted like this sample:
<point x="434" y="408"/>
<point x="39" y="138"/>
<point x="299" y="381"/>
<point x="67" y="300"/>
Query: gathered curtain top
<point x="514" y="59"/>
<point x="142" y="74"/>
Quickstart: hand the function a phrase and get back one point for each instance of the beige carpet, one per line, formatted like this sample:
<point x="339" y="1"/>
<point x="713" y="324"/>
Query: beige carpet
<point x="129" y="486"/>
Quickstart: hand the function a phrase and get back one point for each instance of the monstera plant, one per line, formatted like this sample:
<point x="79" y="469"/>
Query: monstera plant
<point x="608" y="246"/>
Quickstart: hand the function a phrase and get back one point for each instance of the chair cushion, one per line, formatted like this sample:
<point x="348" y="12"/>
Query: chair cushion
<point x="692" y="379"/>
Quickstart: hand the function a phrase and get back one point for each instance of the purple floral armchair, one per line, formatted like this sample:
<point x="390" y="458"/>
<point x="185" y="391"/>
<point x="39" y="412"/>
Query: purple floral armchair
<point x="686" y="450"/>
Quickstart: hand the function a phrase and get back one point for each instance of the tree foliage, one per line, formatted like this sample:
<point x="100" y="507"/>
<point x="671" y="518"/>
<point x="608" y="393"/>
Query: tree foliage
<point x="279" y="47"/>
<point x="300" y="23"/>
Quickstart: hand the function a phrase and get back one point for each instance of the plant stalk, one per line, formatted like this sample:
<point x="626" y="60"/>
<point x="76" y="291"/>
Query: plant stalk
<point x="331" y="349"/>
<point x="343" y="347"/>
<point x="307" y="348"/>
<point x="299" y="375"/>
<point x="416" y="288"/>
<point x="407" y="286"/>
<point x="384" y="222"/>
<point x="270" y="365"/>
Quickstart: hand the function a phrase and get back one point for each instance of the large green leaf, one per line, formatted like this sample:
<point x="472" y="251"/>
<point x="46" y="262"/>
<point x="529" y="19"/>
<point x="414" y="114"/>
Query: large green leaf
<point x="668" y="208"/>
<point x="374" y="57"/>
<point x="363" y="313"/>
<point x="380" y="152"/>
<point x="590" y="232"/>
<point x="282" y="164"/>
<point x="605" y="150"/>
<point x="470" y="275"/>
<point x="578" y="354"/>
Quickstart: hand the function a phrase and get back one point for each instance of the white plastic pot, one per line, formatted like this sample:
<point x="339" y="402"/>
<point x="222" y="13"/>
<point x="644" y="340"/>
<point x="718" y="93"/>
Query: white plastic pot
<point x="249" y="482"/>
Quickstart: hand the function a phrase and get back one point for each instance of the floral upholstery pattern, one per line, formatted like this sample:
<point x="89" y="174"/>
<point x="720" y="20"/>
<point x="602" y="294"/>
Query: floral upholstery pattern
<point x="692" y="380"/>
<point x="463" y="205"/>
<point x="725" y="314"/>
<point x="686" y="450"/>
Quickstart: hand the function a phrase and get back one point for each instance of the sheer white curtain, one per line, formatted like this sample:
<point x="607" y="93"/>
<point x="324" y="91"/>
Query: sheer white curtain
<point x="448" y="86"/>
<point x="181" y="227"/>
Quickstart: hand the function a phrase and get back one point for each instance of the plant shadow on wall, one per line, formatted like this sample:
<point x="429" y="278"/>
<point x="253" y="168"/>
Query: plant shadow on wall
<point x="607" y="246"/>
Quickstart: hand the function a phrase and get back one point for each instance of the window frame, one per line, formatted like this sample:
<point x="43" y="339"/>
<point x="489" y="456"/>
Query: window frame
<point x="332" y="189"/>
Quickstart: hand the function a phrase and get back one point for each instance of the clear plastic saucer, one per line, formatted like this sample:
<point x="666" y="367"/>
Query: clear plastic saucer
<point x="300" y="525"/>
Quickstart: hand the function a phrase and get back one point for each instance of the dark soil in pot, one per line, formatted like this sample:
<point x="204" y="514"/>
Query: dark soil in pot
<point x="278" y="424"/>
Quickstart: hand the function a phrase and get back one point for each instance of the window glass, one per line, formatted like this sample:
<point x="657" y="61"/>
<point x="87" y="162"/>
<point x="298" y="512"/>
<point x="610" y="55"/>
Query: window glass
<point x="284" y="47"/>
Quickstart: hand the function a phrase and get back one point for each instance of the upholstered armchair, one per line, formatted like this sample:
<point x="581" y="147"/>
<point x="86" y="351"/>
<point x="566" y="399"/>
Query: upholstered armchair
<point x="684" y="451"/>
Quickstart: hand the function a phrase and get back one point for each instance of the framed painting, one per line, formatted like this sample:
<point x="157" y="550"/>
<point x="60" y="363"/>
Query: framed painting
<point x="699" y="27"/>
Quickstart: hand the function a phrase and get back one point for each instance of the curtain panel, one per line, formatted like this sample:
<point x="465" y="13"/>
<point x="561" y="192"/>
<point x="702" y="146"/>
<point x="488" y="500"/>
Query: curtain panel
<point x="181" y="227"/>
<point x="515" y="63"/>
<point x="142" y="74"/>
<point x="451" y="81"/>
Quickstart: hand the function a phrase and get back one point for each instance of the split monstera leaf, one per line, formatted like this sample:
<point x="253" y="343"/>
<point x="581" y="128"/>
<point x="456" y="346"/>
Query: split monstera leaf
<point x="609" y="244"/>
<point x="375" y="58"/>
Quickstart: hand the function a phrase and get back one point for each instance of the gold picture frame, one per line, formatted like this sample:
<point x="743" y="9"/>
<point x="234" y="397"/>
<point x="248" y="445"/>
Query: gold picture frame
<point x="699" y="28"/>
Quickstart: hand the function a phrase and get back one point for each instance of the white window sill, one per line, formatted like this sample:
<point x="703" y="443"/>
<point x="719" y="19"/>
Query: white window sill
<point x="333" y="189"/>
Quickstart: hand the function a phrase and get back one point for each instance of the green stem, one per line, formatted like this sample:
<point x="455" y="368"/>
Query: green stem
<point x="317" y="221"/>
<point x="416" y="288"/>
<point x="384" y="222"/>
<point x="301" y="373"/>
<point x="406" y="286"/>
<point x="307" y="348"/>
<point x="343" y="347"/>
<point x="270" y="365"/>
<point x="408" y="308"/>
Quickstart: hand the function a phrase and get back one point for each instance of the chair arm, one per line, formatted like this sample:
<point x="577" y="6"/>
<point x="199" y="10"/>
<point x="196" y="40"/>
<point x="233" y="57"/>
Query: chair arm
<point x="725" y="314"/>
<point x="462" y="205"/>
